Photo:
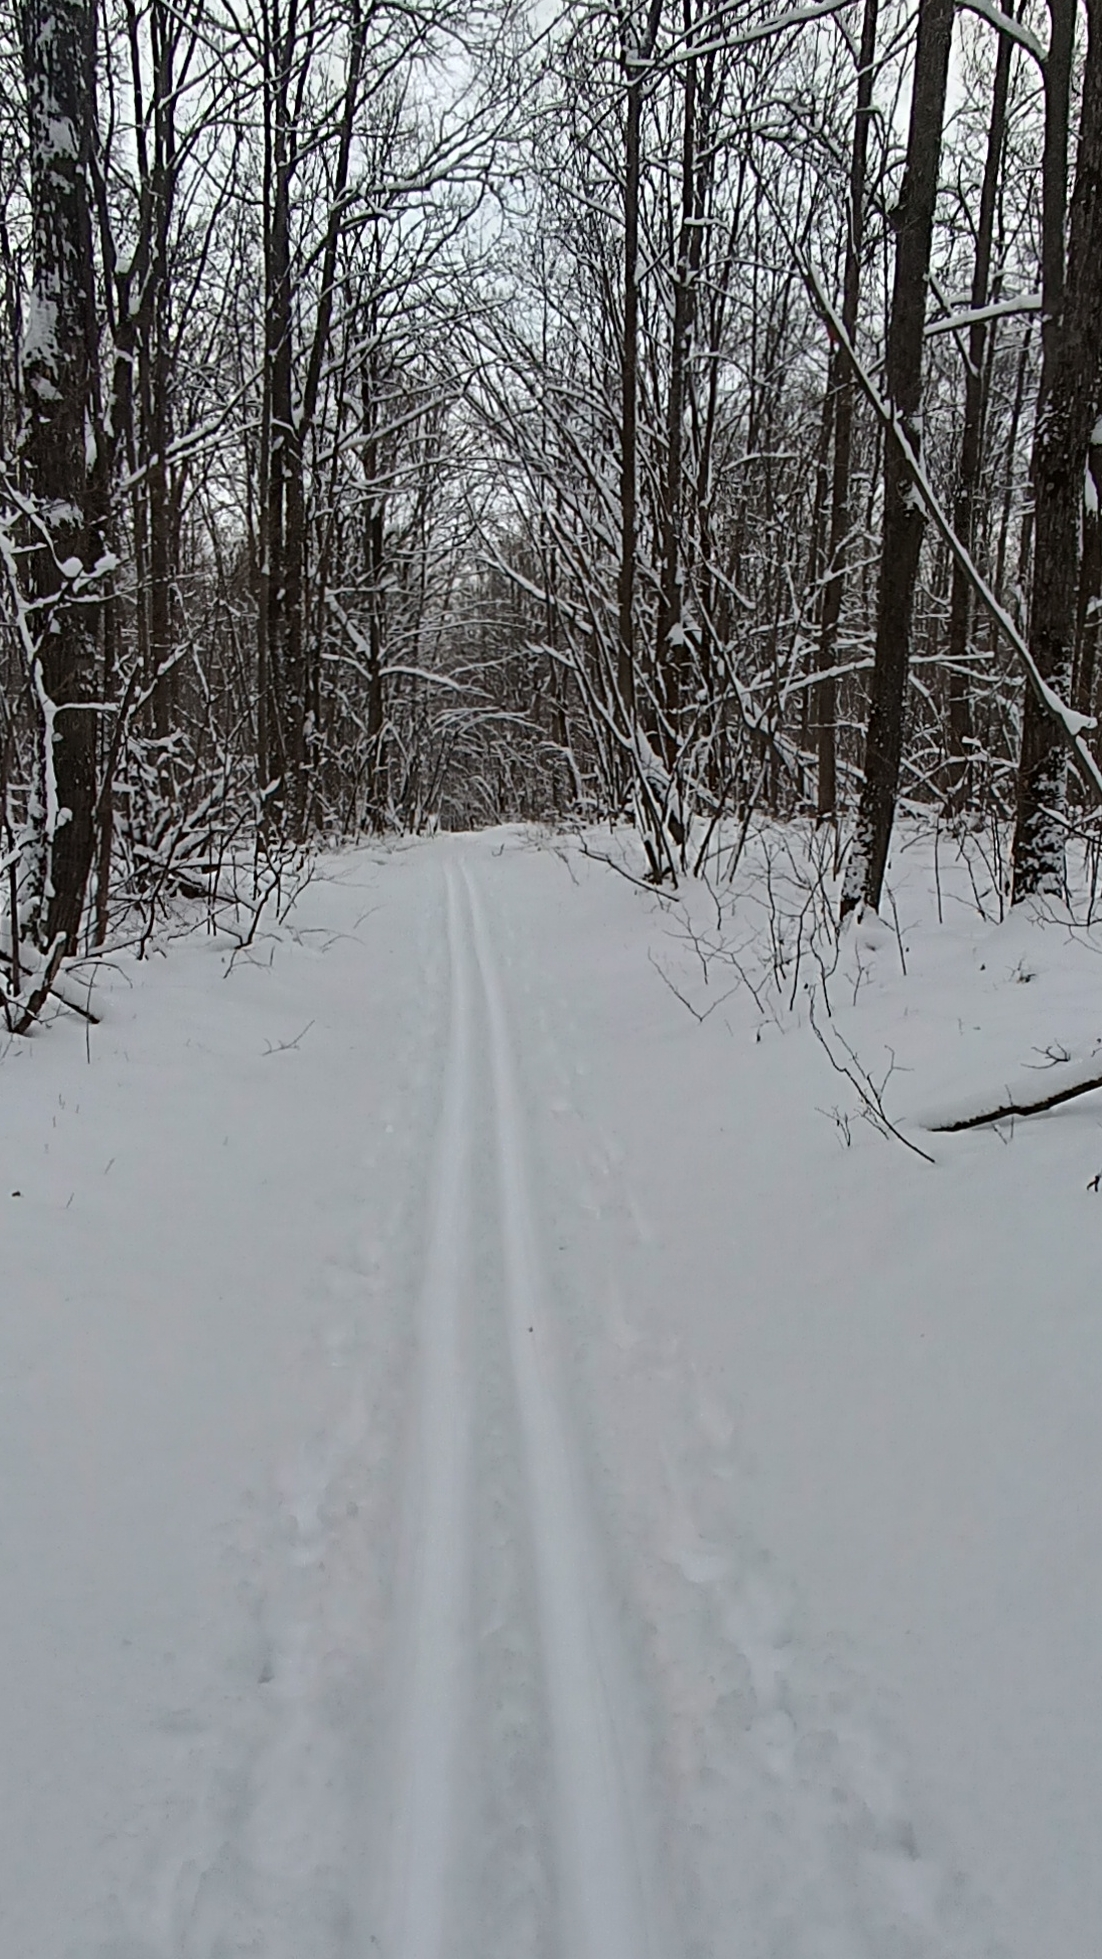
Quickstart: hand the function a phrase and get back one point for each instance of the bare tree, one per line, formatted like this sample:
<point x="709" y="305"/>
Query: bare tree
<point x="903" y="514"/>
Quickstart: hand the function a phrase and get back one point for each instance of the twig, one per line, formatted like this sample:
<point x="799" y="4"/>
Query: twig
<point x="285" y="1047"/>
<point x="699" y="1017"/>
<point x="868" y="1094"/>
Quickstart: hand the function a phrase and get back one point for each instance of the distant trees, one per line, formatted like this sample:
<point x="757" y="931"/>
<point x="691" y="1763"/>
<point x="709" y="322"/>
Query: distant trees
<point x="739" y="640"/>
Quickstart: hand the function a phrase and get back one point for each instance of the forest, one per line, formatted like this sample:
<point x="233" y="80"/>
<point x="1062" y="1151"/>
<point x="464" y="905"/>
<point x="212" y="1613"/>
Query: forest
<point x="550" y="932"/>
<point x="417" y="415"/>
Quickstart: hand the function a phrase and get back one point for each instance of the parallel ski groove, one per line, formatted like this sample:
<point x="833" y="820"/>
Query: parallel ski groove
<point x="428" y="1760"/>
<point x="599" y="1861"/>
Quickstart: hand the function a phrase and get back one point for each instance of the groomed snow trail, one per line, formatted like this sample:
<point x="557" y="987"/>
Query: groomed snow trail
<point x="596" y="1864"/>
<point x="601" y="1861"/>
<point x="438" y="1515"/>
<point x="432" y="1534"/>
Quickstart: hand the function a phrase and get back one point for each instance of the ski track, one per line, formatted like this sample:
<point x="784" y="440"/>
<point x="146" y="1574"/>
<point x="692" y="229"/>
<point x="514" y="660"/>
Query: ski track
<point x="599" y="1883"/>
<point x="496" y="1716"/>
<point x="428" y="1754"/>
<point x="601" y="1865"/>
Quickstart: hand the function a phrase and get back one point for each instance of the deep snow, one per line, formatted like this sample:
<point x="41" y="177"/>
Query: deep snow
<point x="495" y="1465"/>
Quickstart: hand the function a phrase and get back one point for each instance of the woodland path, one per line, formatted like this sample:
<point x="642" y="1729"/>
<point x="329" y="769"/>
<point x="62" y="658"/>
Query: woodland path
<point x="474" y="1332"/>
<point x="394" y="1588"/>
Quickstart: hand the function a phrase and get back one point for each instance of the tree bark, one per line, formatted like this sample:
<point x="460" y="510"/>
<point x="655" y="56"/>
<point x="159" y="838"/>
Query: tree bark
<point x="971" y="444"/>
<point x="1089" y="618"/>
<point x="635" y="57"/>
<point x="672" y="649"/>
<point x="904" y="521"/>
<point x="290" y="667"/>
<point x="840" y="384"/>
<point x="374" y="558"/>
<point x="1072" y="346"/>
<point x="58" y="445"/>
<point x="278" y="719"/>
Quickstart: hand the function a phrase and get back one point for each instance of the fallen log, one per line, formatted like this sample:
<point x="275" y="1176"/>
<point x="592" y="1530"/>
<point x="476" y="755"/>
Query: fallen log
<point x="1080" y="1080"/>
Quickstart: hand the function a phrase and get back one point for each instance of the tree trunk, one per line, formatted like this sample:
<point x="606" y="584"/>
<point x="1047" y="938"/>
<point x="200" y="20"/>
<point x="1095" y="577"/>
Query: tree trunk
<point x="163" y="28"/>
<point x="672" y="648"/>
<point x="635" y="57"/>
<point x="58" y="356"/>
<point x="1089" y="612"/>
<point x="291" y="671"/>
<point x="840" y="385"/>
<point x="374" y="543"/>
<point x="1008" y="473"/>
<point x="971" y="445"/>
<point x="629" y="399"/>
<point x="1072" y="344"/>
<point x="904" y="522"/>
<point x="280" y="743"/>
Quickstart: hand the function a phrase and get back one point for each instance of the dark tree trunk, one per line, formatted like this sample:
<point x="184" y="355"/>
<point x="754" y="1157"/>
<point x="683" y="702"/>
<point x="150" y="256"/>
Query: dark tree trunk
<point x="971" y="444"/>
<point x="840" y="385"/>
<point x="289" y="733"/>
<point x="672" y="649"/>
<point x="1066" y="411"/>
<point x="904" y="522"/>
<point x="374" y="558"/>
<point x="635" y="56"/>
<point x="58" y="366"/>
<point x="279" y="756"/>
<point x="1089" y="619"/>
<point x="629" y="403"/>
<point x="157" y="376"/>
<point x="1008" y="472"/>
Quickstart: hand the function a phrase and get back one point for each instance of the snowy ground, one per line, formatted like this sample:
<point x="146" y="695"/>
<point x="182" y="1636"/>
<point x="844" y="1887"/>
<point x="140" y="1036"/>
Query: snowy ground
<point x="494" y="1465"/>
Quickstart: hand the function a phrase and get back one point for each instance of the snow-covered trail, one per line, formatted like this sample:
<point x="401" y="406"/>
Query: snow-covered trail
<point x="458" y="1504"/>
<point x="437" y="1523"/>
<point x="594" y="1861"/>
<point x="379" y="1701"/>
<point x="603" y="1854"/>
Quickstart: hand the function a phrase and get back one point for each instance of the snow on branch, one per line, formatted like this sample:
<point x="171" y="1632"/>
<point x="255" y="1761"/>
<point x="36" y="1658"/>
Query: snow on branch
<point x="687" y="50"/>
<point x="1002" y="309"/>
<point x="1006" y="24"/>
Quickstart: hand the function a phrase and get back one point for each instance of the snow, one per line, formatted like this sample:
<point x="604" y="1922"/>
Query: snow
<point x="60" y="138"/>
<point x="1076" y="724"/>
<point x="497" y="1463"/>
<point x="40" y="333"/>
<point x="1006" y="24"/>
<point x="968" y="315"/>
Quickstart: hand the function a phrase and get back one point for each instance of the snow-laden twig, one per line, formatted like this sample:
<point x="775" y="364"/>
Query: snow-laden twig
<point x="687" y="49"/>
<point x="1001" y="309"/>
<point x="1006" y="24"/>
